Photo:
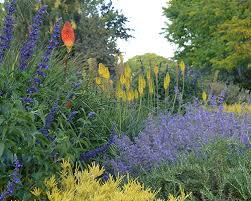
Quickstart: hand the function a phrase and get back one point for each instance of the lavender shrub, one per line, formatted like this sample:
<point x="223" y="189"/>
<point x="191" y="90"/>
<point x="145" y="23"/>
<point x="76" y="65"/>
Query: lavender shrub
<point x="168" y="136"/>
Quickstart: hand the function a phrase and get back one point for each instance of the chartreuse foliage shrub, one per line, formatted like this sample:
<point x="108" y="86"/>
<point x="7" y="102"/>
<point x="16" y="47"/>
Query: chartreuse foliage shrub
<point x="88" y="185"/>
<point x="220" y="171"/>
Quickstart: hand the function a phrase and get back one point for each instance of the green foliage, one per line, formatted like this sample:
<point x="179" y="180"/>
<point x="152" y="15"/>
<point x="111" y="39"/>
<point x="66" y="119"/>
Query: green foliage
<point x="98" y="25"/>
<point x="149" y="60"/>
<point x="212" y="35"/>
<point x="220" y="172"/>
<point x="232" y="93"/>
<point x="20" y="123"/>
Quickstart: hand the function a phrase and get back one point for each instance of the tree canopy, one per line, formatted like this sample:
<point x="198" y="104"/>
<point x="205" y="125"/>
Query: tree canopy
<point x="149" y="60"/>
<point x="98" y="24"/>
<point x="212" y="35"/>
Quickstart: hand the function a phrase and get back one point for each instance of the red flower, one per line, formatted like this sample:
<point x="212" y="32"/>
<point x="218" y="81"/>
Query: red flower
<point x="68" y="105"/>
<point x="68" y="35"/>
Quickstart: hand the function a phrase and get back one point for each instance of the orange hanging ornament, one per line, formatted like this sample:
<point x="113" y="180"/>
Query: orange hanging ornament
<point x="68" y="35"/>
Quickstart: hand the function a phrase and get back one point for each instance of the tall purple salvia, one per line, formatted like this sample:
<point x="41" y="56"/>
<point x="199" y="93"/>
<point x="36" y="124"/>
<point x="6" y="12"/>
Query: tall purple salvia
<point x="29" y="46"/>
<point x="49" y="120"/>
<point x="7" y="31"/>
<point x="99" y="150"/>
<point x="13" y="180"/>
<point x="53" y="43"/>
<point x="43" y="65"/>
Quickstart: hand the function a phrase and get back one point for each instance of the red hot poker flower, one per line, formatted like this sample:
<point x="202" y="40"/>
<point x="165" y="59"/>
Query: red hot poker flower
<point x="68" y="35"/>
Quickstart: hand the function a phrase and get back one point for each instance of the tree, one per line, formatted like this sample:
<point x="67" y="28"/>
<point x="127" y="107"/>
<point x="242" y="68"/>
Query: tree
<point x="149" y="60"/>
<point x="212" y="35"/>
<point x="98" y="24"/>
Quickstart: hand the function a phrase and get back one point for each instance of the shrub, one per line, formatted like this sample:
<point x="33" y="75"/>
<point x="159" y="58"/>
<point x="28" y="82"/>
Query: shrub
<point x="233" y="93"/>
<point x="168" y="136"/>
<point x="88" y="185"/>
<point x="41" y="120"/>
<point x="221" y="171"/>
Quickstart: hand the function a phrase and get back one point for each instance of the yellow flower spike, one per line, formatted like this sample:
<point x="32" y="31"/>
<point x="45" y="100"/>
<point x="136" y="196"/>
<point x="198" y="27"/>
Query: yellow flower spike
<point x="130" y="95"/>
<point x="98" y="80"/>
<point x="150" y="85"/>
<point x="127" y="71"/>
<point x="148" y="74"/>
<point x="141" y="85"/>
<point x="36" y="192"/>
<point x="182" y="67"/>
<point x="57" y="3"/>
<point x="156" y="70"/>
<point x="107" y="74"/>
<point x="74" y="25"/>
<point x="167" y="80"/>
<point x="101" y="69"/>
<point x="204" y="96"/>
<point x="136" y="94"/>
<point x="122" y="79"/>
<point x="119" y="92"/>
<point x="124" y="97"/>
<point x="37" y="6"/>
<point x="110" y="82"/>
<point x="128" y="83"/>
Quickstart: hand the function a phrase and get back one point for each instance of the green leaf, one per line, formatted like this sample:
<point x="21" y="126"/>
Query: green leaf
<point x="1" y="149"/>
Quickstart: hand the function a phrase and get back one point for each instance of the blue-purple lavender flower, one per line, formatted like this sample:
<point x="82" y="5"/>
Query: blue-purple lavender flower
<point x="100" y="150"/>
<point x="27" y="100"/>
<point x="49" y="120"/>
<point x="167" y="136"/>
<point x="91" y="115"/>
<point x="245" y="140"/>
<point x="32" y="90"/>
<point x="29" y="46"/>
<point x="76" y="85"/>
<point x="7" y="32"/>
<point x="43" y="65"/>
<point x="1" y="93"/>
<point x="53" y="43"/>
<point x="71" y="116"/>
<point x="51" y="116"/>
<point x="14" y="179"/>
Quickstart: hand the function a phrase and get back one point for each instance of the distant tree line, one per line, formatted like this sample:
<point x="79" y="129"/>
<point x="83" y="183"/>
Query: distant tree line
<point x="212" y="35"/>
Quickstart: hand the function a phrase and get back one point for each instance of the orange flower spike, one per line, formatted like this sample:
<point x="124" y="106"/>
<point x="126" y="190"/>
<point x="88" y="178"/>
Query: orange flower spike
<point x="68" y="105"/>
<point x="68" y="35"/>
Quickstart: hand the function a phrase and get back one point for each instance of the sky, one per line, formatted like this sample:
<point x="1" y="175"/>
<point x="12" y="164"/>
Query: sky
<point x="146" y="18"/>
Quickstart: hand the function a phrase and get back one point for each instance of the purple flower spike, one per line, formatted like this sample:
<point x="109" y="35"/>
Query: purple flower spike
<point x="53" y="43"/>
<point x="7" y="32"/>
<point x="29" y="46"/>
<point x="27" y="100"/>
<point x="71" y="116"/>
<point x="14" y="179"/>
<point x="102" y="149"/>
<point x="49" y="120"/>
<point x="32" y="90"/>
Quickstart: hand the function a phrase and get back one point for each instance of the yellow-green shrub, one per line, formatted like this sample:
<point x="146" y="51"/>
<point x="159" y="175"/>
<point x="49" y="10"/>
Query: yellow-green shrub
<point x="83" y="186"/>
<point x="237" y="108"/>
